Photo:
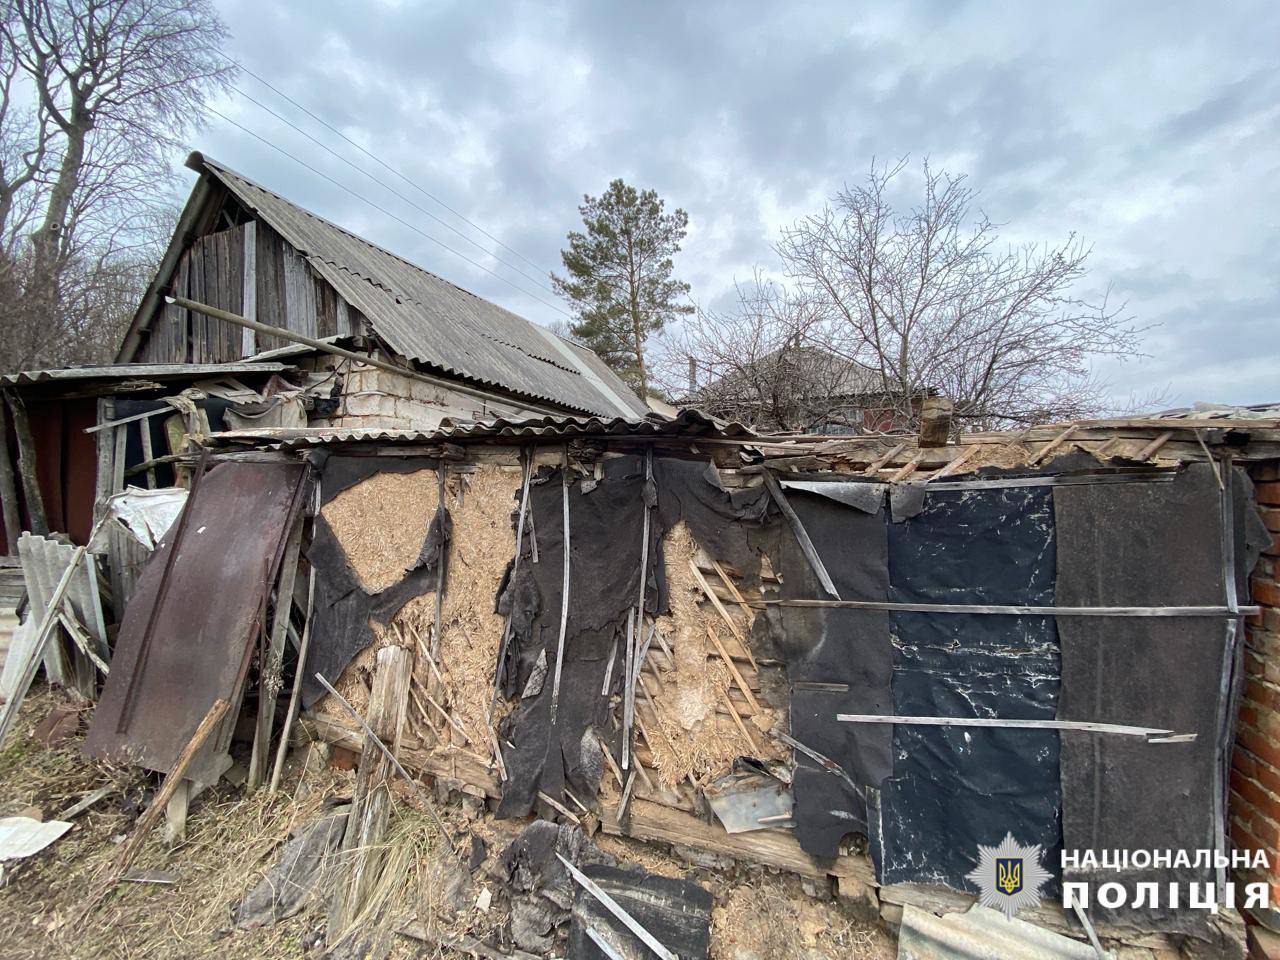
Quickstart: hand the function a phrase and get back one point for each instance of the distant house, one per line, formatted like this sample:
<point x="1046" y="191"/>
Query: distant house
<point x="800" y="389"/>
<point x="244" y="249"/>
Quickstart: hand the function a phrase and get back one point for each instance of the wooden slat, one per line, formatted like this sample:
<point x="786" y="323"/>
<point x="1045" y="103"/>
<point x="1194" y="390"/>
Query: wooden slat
<point x="774" y="848"/>
<point x="1051" y="446"/>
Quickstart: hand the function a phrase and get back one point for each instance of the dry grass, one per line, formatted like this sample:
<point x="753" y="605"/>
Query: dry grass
<point x="381" y="523"/>
<point x="770" y="918"/>
<point x="232" y="839"/>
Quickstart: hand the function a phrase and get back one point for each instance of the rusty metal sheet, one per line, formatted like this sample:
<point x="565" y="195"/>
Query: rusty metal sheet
<point x="189" y="631"/>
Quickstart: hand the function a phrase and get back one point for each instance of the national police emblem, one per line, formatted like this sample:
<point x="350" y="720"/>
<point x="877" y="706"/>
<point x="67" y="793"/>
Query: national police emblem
<point x="1009" y="876"/>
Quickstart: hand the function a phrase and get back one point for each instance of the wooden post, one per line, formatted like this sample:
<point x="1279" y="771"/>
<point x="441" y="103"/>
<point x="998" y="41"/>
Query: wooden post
<point x="935" y="421"/>
<point x="27" y="465"/>
<point x="370" y="804"/>
<point x="269" y="686"/>
<point x="8" y="490"/>
<point x="175" y="814"/>
<point x="172" y="781"/>
<point x="249" y="296"/>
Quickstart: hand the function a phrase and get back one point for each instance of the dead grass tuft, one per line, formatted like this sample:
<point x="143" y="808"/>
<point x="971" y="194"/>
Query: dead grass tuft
<point x="231" y="841"/>
<point x="770" y="918"/>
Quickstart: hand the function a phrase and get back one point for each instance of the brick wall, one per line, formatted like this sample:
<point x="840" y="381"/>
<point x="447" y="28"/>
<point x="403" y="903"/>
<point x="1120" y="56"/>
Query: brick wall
<point x="374" y="398"/>
<point x="1255" y="770"/>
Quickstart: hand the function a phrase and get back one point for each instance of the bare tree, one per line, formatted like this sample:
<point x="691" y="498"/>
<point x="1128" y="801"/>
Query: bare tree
<point x="761" y="363"/>
<point x="929" y="300"/>
<point x="113" y="85"/>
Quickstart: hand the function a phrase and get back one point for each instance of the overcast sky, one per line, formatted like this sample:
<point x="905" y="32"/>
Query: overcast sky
<point x="1149" y="129"/>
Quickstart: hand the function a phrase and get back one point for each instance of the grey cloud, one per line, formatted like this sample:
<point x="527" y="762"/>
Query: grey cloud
<point x="1156" y="140"/>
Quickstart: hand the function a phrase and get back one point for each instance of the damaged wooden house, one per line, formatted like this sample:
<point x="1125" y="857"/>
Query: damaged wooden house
<point x="866" y="661"/>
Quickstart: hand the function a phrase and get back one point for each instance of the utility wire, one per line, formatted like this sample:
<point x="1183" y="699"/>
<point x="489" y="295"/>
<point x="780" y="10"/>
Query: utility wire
<point x="364" y="173"/>
<point x="385" y="211"/>
<point x="378" y="160"/>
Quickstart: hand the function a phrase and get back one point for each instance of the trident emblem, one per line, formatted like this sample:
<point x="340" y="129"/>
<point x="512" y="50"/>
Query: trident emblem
<point x="1009" y="875"/>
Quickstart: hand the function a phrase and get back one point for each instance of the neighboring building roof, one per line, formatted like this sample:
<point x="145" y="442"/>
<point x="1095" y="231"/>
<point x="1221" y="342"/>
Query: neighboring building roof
<point x="839" y="377"/>
<point x="428" y="319"/>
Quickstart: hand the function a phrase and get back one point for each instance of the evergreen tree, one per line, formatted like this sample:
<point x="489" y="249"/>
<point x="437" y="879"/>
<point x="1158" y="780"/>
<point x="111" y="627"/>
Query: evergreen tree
<point x="620" y="276"/>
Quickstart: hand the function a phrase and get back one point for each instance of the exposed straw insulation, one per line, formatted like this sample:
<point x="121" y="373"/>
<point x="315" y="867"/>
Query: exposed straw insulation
<point x="482" y="546"/>
<point x="695" y="735"/>
<point x="381" y="523"/>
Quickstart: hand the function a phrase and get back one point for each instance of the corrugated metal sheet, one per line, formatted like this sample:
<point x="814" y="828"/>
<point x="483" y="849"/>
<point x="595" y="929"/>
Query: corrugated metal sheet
<point x="141" y="371"/>
<point x="429" y="319"/>
<point x="689" y="423"/>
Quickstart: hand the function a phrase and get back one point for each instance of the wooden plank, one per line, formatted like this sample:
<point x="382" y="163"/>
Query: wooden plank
<point x="1149" y="451"/>
<point x="148" y="454"/>
<point x="371" y="800"/>
<point x="724" y="614"/>
<point x="172" y="782"/>
<point x="8" y="490"/>
<point x="249" y="294"/>
<point x="36" y="516"/>
<point x="1051" y="446"/>
<point x="295" y="694"/>
<point x="654" y="822"/>
<point x="269" y="687"/>
<point x="874" y="467"/>
<point x="733" y="669"/>
<point x="801" y="534"/>
<point x="909" y="468"/>
<point x="564" y="588"/>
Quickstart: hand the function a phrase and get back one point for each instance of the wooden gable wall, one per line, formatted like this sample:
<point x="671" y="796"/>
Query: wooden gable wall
<point x="284" y="292"/>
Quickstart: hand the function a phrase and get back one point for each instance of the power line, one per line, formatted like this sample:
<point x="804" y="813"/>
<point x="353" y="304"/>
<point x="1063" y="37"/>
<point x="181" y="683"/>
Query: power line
<point x="360" y="170"/>
<point x="385" y="211"/>
<point x="378" y="160"/>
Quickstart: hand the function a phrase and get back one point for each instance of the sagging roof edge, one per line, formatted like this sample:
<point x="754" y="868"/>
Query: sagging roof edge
<point x="1159" y="440"/>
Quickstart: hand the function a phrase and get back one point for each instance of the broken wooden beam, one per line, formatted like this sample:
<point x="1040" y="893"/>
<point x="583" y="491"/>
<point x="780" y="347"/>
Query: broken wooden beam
<point x="654" y="822"/>
<point x="801" y="534"/>
<point x="371" y="799"/>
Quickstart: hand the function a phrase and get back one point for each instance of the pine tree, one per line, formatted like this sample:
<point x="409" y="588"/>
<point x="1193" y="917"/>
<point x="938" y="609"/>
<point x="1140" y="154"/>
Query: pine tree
<point x="620" y="276"/>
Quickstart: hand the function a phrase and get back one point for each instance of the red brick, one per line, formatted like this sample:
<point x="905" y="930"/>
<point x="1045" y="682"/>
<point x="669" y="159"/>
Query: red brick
<point x="1255" y="668"/>
<point x="1268" y="776"/>
<point x="1272" y="519"/>
<point x="1244" y="763"/>
<point x="1268" y="492"/>
<point x="1262" y="472"/>
<point x="1266" y="591"/>
<point x="1261" y="747"/>
<point x="1273" y="548"/>
<point x="1266" y="831"/>
<point x="1257" y="690"/>
<point x="1242" y="837"/>
<point x="1255" y="796"/>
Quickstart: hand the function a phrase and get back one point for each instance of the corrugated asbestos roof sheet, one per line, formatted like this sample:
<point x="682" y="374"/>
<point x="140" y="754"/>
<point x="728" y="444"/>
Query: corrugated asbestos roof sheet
<point x="428" y="319"/>
<point x="141" y="371"/>
<point x="688" y="424"/>
<point x="1216" y="411"/>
